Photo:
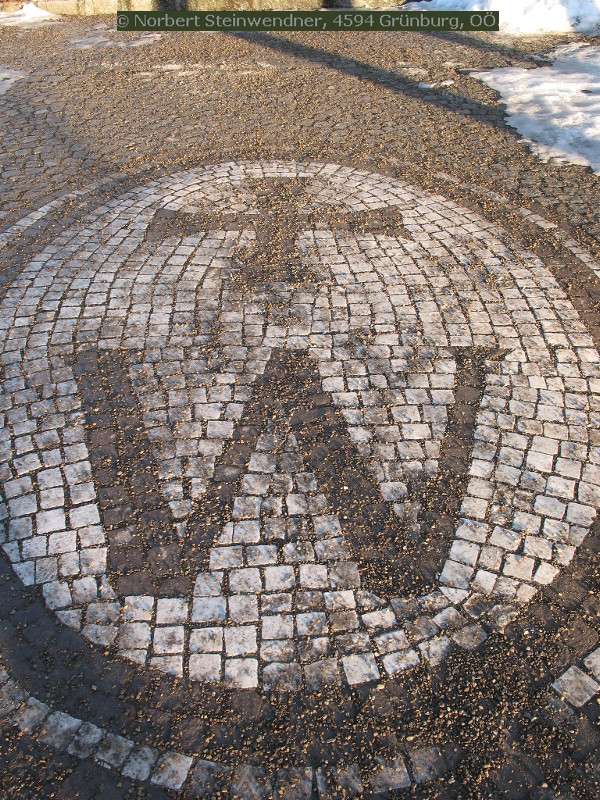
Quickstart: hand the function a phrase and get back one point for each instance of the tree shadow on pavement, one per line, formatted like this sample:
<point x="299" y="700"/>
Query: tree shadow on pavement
<point x="380" y="77"/>
<point x="508" y="47"/>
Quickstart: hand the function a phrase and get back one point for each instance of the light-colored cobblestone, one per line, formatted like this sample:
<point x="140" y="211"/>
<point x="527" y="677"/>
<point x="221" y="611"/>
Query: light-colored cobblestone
<point x="531" y="429"/>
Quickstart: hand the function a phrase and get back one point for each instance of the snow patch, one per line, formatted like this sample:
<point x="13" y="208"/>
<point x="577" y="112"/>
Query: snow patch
<point x="176" y="70"/>
<point x="555" y="108"/>
<point x="30" y="16"/>
<point x="8" y="77"/>
<point x="102" y="36"/>
<point x="527" y="16"/>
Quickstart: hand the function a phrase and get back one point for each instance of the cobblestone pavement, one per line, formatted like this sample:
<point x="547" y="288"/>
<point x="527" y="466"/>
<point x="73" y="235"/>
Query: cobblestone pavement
<point x="300" y="457"/>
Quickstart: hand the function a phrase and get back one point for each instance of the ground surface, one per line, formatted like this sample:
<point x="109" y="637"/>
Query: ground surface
<point x="300" y="447"/>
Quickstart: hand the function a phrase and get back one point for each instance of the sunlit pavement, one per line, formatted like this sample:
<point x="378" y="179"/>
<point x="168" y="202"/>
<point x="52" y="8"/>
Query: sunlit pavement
<point x="300" y="453"/>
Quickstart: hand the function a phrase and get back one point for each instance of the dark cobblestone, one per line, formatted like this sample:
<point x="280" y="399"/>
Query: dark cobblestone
<point x="474" y="723"/>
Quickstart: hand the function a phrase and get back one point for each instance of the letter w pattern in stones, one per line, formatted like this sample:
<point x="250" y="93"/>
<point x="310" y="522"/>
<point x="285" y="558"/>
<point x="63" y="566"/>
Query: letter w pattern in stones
<point x="195" y="313"/>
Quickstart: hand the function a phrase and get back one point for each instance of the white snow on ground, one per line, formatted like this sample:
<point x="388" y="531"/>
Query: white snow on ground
<point x="102" y="36"/>
<point x="30" y="16"/>
<point x="7" y="78"/>
<point x="556" y="108"/>
<point x="184" y="71"/>
<point x="527" y="16"/>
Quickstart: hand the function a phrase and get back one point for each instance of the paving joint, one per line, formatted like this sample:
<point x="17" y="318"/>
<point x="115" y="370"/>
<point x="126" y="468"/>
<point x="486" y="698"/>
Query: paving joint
<point x="300" y="465"/>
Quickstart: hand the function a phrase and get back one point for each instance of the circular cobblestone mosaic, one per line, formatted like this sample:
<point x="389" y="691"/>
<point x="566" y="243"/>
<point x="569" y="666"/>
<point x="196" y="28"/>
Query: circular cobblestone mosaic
<point x="292" y="426"/>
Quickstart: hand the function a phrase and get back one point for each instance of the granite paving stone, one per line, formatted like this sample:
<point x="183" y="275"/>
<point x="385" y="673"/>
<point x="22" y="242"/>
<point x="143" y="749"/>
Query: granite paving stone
<point x="298" y="421"/>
